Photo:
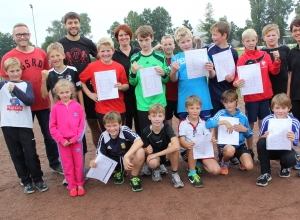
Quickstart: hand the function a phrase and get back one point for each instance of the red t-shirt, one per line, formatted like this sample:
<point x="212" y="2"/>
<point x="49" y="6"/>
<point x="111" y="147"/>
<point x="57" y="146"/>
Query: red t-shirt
<point x="171" y="87"/>
<point x="105" y="106"/>
<point x="32" y="65"/>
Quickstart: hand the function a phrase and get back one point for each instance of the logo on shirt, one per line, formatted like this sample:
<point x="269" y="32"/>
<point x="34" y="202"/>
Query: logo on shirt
<point x="123" y="146"/>
<point x="69" y="77"/>
<point x="75" y="56"/>
<point x="158" y="141"/>
<point x="75" y="114"/>
<point x="109" y="148"/>
<point x="15" y="104"/>
<point x="263" y="64"/>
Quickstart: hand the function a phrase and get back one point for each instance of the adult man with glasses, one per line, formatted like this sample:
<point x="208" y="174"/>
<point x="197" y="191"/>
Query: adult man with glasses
<point x="34" y="60"/>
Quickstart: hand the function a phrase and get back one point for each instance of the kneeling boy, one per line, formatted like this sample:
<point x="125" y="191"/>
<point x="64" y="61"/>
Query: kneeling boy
<point x="229" y="99"/>
<point x="124" y="146"/>
<point x="280" y="105"/>
<point x="159" y="139"/>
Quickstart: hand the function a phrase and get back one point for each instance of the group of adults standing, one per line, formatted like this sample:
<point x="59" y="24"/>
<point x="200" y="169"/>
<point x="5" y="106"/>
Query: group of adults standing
<point x="77" y="50"/>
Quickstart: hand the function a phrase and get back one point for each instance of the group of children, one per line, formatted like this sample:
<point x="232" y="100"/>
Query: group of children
<point x="199" y="105"/>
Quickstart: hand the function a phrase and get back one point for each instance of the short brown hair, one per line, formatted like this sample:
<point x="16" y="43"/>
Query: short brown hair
<point x="55" y="46"/>
<point x="295" y="22"/>
<point x="222" y="27"/>
<point x="192" y="99"/>
<point x="144" y="31"/>
<point x="112" y="116"/>
<point x="229" y="95"/>
<point x="270" y="27"/>
<point x="282" y="100"/>
<point x="125" y="28"/>
<point x="156" y="108"/>
<point x="13" y="61"/>
<point x="71" y="15"/>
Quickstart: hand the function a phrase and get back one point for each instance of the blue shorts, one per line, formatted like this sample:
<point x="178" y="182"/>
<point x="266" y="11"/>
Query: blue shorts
<point x="260" y="110"/>
<point x="205" y="115"/>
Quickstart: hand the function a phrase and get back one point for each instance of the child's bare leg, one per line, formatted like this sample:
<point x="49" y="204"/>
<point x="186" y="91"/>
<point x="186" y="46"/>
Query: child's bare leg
<point x="250" y="140"/>
<point x="247" y="161"/>
<point x="137" y="160"/>
<point x="154" y="163"/>
<point x="228" y="152"/>
<point x="191" y="161"/>
<point x="211" y="166"/>
<point x="174" y="158"/>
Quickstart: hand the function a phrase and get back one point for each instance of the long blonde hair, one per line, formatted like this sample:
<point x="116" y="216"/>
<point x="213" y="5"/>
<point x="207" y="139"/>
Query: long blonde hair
<point x="67" y="83"/>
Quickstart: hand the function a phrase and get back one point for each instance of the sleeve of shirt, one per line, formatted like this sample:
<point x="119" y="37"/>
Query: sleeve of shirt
<point x="295" y="129"/>
<point x="181" y="129"/>
<point x="56" y="135"/>
<point x="2" y="71"/>
<point x="77" y="81"/>
<point x="130" y="134"/>
<point x="86" y="74"/>
<point x="123" y="78"/>
<point x="274" y="67"/>
<point x="169" y="131"/>
<point x="26" y="97"/>
<point x="165" y="67"/>
<point x="264" y="126"/>
<point x="213" y="121"/>
<point x="101" y="146"/>
<point x="132" y="77"/>
<point x="145" y="138"/>
<point x="249" y="132"/>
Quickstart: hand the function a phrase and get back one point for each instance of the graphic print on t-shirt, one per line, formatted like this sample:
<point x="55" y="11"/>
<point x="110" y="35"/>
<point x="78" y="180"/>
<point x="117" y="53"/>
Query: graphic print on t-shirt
<point x="15" y="104"/>
<point x="76" y="55"/>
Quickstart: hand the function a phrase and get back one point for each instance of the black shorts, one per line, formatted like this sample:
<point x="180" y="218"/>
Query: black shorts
<point x="119" y="160"/>
<point x="89" y="106"/>
<point x="171" y="109"/>
<point x="260" y="110"/>
<point x="240" y="151"/>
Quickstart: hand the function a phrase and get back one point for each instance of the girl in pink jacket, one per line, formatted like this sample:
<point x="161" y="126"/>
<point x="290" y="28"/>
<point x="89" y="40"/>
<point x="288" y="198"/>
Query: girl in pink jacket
<point x="67" y="127"/>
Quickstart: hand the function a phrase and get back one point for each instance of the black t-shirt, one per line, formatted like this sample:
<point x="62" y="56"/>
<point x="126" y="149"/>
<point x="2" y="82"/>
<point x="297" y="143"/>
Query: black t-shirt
<point x="124" y="60"/>
<point x="294" y="66"/>
<point x="160" y="141"/>
<point x="78" y="53"/>
<point x="279" y="81"/>
<point x="119" y="145"/>
<point x="70" y="73"/>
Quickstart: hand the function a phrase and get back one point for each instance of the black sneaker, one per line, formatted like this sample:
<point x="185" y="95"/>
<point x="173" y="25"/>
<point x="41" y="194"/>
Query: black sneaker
<point x="135" y="184"/>
<point x="119" y="178"/>
<point x="263" y="179"/>
<point x="58" y="170"/>
<point x="28" y="189"/>
<point x="285" y="172"/>
<point x="41" y="186"/>
<point x="234" y="161"/>
<point x="195" y="180"/>
<point x="251" y="153"/>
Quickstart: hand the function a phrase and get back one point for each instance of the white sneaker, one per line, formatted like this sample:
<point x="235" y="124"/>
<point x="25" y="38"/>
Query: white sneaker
<point x="156" y="175"/>
<point x="65" y="183"/>
<point x="177" y="181"/>
<point x="146" y="171"/>
<point x="163" y="169"/>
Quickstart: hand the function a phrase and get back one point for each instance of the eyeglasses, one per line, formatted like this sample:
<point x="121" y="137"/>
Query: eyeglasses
<point x="296" y="31"/>
<point x="22" y="35"/>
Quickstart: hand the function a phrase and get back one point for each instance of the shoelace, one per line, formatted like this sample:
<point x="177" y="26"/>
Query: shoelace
<point x="176" y="177"/>
<point x="224" y="165"/>
<point x="118" y="175"/>
<point x="263" y="176"/>
<point x="135" y="181"/>
<point x="156" y="173"/>
<point x="196" y="177"/>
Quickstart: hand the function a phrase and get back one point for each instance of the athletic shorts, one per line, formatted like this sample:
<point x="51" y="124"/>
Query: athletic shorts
<point x="260" y="110"/>
<point x="171" y="109"/>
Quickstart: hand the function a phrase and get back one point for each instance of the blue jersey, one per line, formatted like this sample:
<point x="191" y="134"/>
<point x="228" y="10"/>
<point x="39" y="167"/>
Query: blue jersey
<point x="213" y="122"/>
<point x="217" y="88"/>
<point x="295" y="126"/>
<point x="187" y="87"/>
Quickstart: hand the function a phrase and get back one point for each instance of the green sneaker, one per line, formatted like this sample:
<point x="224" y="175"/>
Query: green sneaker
<point x="199" y="170"/>
<point x="195" y="180"/>
<point x="119" y="178"/>
<point x="135" y="184"/>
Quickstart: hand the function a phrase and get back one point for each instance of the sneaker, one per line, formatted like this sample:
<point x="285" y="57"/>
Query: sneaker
<point x="285" y="172"/>
<point x="168" y="163"/>
<point x="251" y="153"/>
<point x="263" y="179"/>
<point x="199" y="170"/>
<point x="195" y="180"/>
<point x="298" y="174"/>
<point x="73" y="192"/>
<point x="135" y="184"/>
<point x="119" y="178"/>
<point x="80" y="191"/>
<point x="64" y="182"/>
<point x="297" y="166"/>
<point x="163" y="169"/>
<point x="242" y="167"/>
<point x="177" y="181"/>
<point x="234" y="161"/>
<point x="146" y="171"/>
<point x="224" y="168"/>
<point x="220" y="155"/>
<point x="21" y="182"/>
<point x="41" y="186"/>
<point x="28" y="189"/>
<point x="58" y="170"/>
<point x="156" y="175"/>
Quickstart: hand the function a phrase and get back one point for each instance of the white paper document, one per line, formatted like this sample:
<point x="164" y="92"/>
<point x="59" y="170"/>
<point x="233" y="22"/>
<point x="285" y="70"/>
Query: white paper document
<point x="151" y="82"/>
<point x="105" y="82"/>
<point x="195" y="63"/>
<point x="223" y="136"/>
<point x="104" y="169"/>
<point x="278" y="129"/>
<point x="252" y="76"/>
<point x="224" y="64"/>
<point x="203" y="147"/>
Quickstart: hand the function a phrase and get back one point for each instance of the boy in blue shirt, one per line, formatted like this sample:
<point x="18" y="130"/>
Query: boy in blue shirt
<point x="229" y="99"/>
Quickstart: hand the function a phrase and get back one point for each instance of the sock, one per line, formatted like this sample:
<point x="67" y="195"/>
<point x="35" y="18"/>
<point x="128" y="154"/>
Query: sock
<point x="132" y="176"/>
<point x="192" y="172"/>
<point x="198" y="164"/>
<point x="174" y="171"/>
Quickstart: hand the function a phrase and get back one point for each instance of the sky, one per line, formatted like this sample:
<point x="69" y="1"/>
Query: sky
<point x="103" y="13"/>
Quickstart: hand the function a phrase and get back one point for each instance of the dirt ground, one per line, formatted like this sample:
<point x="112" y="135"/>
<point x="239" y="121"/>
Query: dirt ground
<point x="234" y="196"/>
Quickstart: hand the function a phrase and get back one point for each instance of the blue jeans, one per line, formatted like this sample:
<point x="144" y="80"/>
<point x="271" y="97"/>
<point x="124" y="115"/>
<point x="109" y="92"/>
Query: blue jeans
<point x="51" y="146"/>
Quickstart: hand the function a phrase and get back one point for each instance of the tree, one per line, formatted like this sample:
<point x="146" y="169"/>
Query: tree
<point x="111" y="31"/>
<point x="207" y="23"/>
<point x="258" y="16"/>
<point x="7" y="43"/>
<point x="57" y="30"/>
<point x="297" y="9"/>
<point x="187" y="24"/>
